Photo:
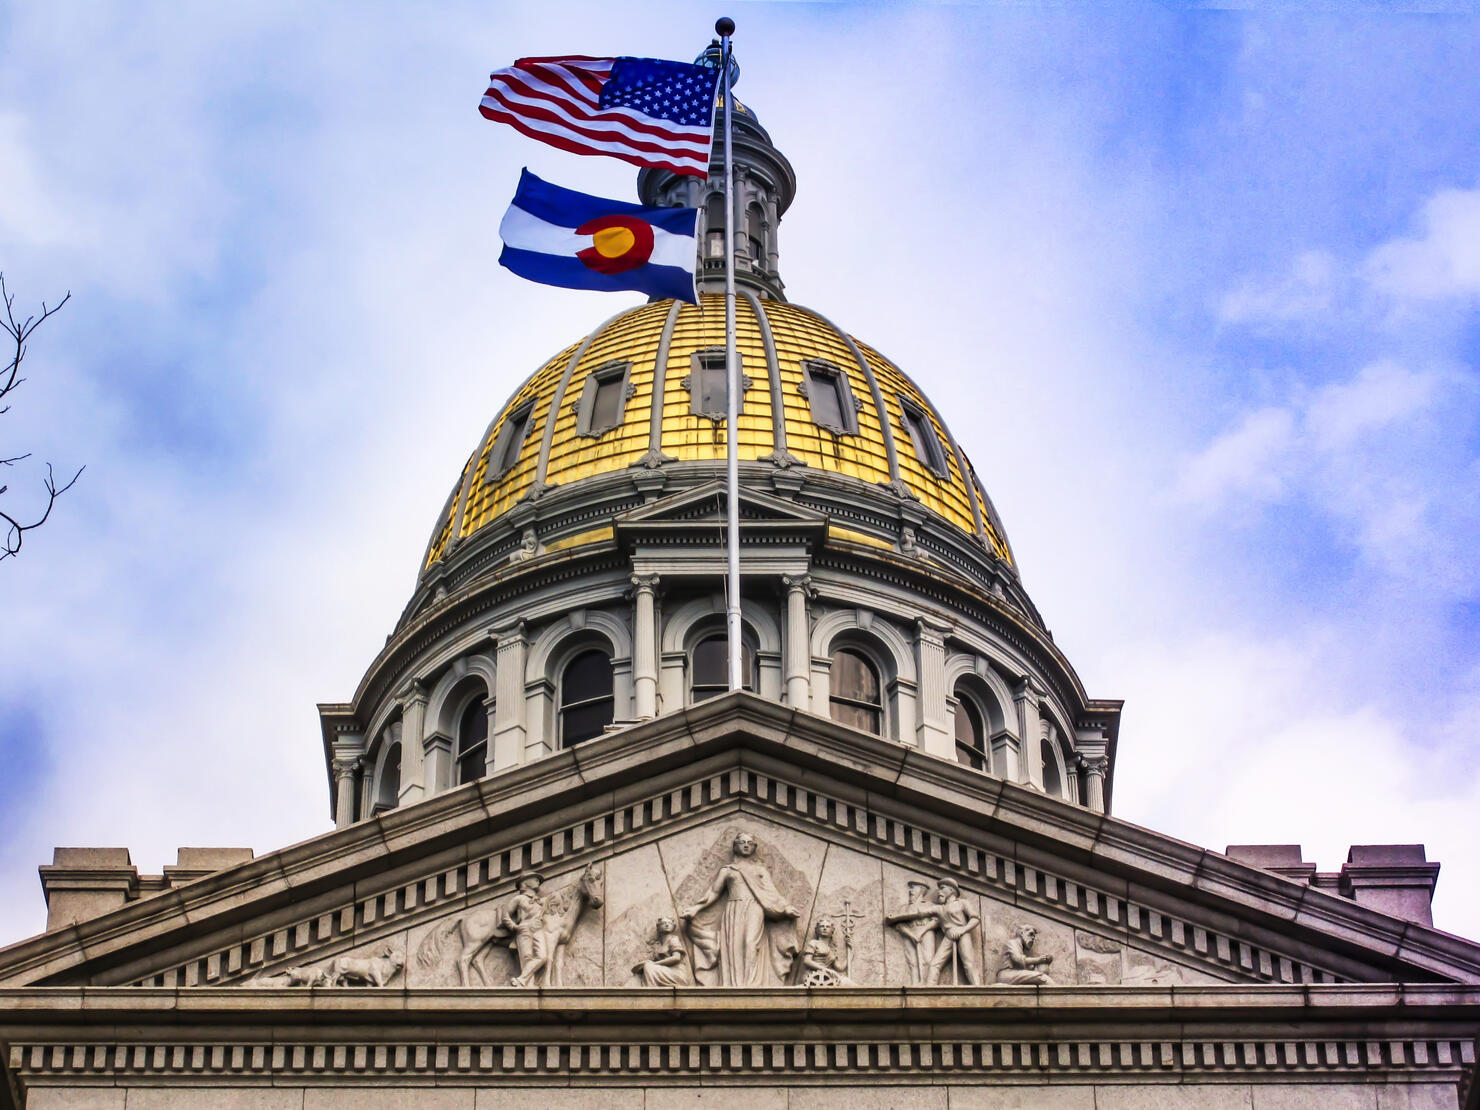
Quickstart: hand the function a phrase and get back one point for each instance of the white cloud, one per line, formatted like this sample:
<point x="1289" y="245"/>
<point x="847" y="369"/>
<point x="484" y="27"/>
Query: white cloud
<point x="1307" y="291"/>
<point x="1441" y="261"/>
<point x="1247" y="460"/>
<point x="1381" y="394"/>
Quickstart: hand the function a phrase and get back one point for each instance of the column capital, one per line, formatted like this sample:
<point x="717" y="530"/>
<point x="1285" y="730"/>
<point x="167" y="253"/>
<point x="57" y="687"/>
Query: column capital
<point x="932" y="630"/>
<point x="1094" y="764"/>
<point x="345" y="768"/>
<point x="800" y="583"/>
<point x="645" y="583"/>
<point x="1026" y="688"/>
<point x="415" y="693"/>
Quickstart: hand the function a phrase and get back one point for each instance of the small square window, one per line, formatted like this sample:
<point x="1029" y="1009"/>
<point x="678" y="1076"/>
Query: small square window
<point x="508" y="442"/>
<point x="603" y="401"/>
<point x="922" y="435"/>
<point x="707" y="384"/>
<point x="829" y="398"/>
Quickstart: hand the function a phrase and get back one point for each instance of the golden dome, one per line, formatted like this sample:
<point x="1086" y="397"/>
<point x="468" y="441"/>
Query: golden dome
<point x="657" y="348"/>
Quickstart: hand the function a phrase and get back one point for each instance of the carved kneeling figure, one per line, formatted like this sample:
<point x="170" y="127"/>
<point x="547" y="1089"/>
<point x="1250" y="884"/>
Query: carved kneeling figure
<point x="1020" y="967"/>
<point x="669" y="965"/>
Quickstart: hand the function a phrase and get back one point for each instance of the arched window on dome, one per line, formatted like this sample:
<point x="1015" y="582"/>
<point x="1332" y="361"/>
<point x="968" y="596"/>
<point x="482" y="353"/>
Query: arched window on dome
<point x="971" y="734"/>
<point x="388" y="791"/>
<point x="855" y="694"/>
<point x="714" y="226"/>
<point x="829" y="397"/>
<point x="472" y="741"/>
<point x="709" y="674"/>
<point x="509" y="441"/>
<point x="755" y="233"/>
<point x="587" y="703"/>
<point x="1052" y="783"/>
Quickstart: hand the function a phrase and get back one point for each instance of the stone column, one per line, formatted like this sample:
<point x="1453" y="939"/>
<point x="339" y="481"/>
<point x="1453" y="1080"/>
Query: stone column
<point x="645" y="646"/>
<point x="1030" y="731"/>
<point x="413" y="725"/>
<point x="347" y="750"/>
<point x="1094" y="776"/>
<point x="799" y="590"/>
<point x="506" y="734"/>
<point x="936" y="737"/>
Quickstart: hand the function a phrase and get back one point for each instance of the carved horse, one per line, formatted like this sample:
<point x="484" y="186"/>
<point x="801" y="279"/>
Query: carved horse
<point x="475" y="931"/>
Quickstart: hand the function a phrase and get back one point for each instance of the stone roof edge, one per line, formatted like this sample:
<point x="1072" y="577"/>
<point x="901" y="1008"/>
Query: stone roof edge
<point x="1004" y="1005"/>
<point x="623" y="765"/>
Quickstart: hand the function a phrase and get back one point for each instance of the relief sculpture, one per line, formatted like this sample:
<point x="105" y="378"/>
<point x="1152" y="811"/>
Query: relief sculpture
<point x="951" y="921"/>
<point x="343" y="971"/>
<point x="1020" y="968"/>
<point x="916" y="924"/>
<point x="537" y="927"/>
<point x="669" y="964"/>
<point x="824" y="960"/>
<point x="743" y="927"/>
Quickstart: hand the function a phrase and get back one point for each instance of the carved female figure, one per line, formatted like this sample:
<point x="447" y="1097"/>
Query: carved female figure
<point x="824" y="963"/>
<point x="743" y="928"/>
<point x="669" y="965"/>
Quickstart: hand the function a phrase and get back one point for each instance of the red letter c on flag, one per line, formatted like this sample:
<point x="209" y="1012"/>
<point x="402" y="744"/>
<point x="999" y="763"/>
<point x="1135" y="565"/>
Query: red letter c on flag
<point x="622" y="243"/>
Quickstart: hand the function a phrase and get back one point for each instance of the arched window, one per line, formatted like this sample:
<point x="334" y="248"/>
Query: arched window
<point x="855" y="692"/>
<point x="710" y="675"/>
<point x="971" y="736"/>
<point x="755" y="232"/>
<point x="586" y="702"/>
<point x="1051" y="782"/>
<point x="714" y="226"/>
<point x="472" y="742"/>
<point x="389" y="793"/>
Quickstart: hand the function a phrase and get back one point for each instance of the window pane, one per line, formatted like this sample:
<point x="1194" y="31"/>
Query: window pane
<point x="586" y="701"/>
<point x="857" y="716"/>
<point x="711" y="672"/>
<point x="922" y="435"/>
<point x="583" y="722"/>
<point x="970" y="742"/>
<point x="390" y="780"/>
<point x="471" y="765"/>
<point x="510" y="439"/>
<point x="607" y="406"/>
<point x="853" y="677"/>
<point x="824" y="391"/>
<point x="713" y="396"/>
<point x="473" y="729"/>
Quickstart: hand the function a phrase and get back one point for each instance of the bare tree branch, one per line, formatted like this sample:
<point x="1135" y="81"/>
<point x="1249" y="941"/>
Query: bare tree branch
<point x="20" y="331"/>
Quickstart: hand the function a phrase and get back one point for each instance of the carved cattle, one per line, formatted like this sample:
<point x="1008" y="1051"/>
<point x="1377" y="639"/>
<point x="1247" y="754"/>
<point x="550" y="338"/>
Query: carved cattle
<point x="375" y="971"/>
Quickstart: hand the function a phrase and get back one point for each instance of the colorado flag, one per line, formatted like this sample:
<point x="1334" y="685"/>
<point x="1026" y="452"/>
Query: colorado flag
<point x="561" y="237"/>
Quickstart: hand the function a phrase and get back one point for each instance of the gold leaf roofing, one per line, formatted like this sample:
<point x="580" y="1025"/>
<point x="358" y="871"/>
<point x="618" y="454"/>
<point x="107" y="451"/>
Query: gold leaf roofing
<point x="880" y="450"/>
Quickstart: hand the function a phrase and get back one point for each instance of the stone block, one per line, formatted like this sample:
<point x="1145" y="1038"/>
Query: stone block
<point x="75" y="1098"/>
<point x="560" y="1098"/>
<point x="1417" y="1096"/>
<point x="725" y="1098"/>
<point x="217" y="1098"/>
<point x="1173" y="1096"/>
<point x="867" y="1098"/>
<point x="1315" y="1096"/>
<point x="388" y="1098"/>
<point x="1020" y="1098"/>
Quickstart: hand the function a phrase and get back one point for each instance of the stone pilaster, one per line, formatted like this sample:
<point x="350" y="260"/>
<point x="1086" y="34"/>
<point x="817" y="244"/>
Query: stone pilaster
<point x="930" y="661"/>
<point x="413" y="725"/>
<point x="507" y="729"/>
<point x="645" y="646"/>
<point x="1030" y="730"/>
<point x="799" y="590"/>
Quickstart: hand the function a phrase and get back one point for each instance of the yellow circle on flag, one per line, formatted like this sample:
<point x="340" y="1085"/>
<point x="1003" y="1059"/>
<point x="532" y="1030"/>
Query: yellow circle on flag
<point x="613" y="242"/>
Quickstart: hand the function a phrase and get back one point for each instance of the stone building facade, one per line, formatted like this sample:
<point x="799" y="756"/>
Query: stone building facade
<point x="569" y="870"/>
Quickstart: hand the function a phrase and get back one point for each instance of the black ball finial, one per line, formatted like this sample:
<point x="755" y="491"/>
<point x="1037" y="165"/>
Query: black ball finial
<point x="724" y="26"/>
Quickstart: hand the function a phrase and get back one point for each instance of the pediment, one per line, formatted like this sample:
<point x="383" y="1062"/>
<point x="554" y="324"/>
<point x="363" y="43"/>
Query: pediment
<point x="699" y="509"/>
<point x="642" y="824"/>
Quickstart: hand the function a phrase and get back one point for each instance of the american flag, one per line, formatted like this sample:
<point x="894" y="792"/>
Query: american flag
<point x="642" y="110"/>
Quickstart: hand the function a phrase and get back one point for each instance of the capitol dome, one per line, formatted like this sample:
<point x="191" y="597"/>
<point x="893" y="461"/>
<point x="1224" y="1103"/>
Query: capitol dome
<point x="646" y="389"/>
<point x="574" y="581"/>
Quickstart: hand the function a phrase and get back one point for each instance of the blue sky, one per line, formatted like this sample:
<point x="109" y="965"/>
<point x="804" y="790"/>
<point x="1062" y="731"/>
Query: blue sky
<point x="1197" y="289"/>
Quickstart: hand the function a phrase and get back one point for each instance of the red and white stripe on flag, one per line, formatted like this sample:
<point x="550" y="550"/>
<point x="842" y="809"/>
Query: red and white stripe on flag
<point x="555" y="100"/>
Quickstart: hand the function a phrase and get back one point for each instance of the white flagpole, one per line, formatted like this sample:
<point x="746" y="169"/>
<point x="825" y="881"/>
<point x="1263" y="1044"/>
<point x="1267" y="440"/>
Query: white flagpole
<point x="726" y="27"/>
